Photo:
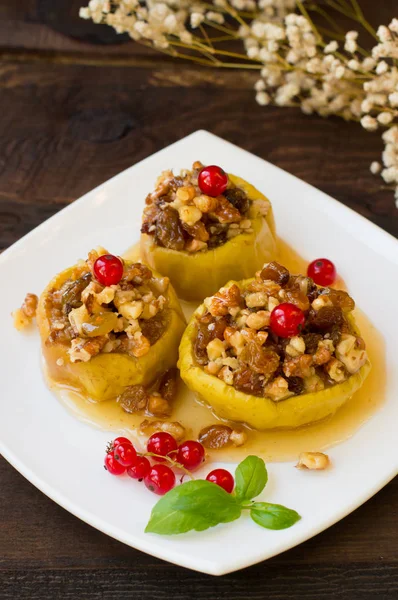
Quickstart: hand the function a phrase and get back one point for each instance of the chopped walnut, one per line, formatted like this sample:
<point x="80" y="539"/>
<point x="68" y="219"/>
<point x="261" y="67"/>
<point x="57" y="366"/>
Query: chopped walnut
<point x="195" y="246"/>
<point x="336" y="370"/>
<point x="295" y="347"/>
<point x="158" y="406"/>
<point x="256" y="300"/>
<point x="301" y="366"/>
<point x="352" y="357"/>
<point x="258" y="320"/>
<point x="139" y="345"/>
<point x="313" y="384"/>
<point x="224" y="300"/>
<point x="226" y="375"/>
<point x="314" y="461"/>
<point x="23" y="316"/>
<point x="238" y="437"/>
<point x="324" y="352"/>
<point x="174" y="428"/>
<point x="82" y="350"/>
<point x="205" y="203"/>
<point x="215" y="349"/>
<point x="278" y="389"/>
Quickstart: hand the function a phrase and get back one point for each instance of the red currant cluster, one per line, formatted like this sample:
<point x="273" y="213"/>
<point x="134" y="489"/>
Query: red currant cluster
<point x="122" y="457"/>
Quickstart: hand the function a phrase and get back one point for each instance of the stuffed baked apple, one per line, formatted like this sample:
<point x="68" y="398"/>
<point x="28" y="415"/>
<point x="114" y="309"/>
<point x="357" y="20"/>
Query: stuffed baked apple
<point x="106" y="324"/>
<point x="274" y="351"/>
<point x="204" y="227"/>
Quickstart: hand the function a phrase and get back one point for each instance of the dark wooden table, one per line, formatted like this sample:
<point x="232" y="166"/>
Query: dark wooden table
<point x="76" y="109"/>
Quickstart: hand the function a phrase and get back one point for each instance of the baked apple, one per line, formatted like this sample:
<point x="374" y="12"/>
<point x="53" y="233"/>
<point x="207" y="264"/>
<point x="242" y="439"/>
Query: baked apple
<point x="274" y="351"/>
<point x="106" y="324"/>
<point x="205" y="227"/>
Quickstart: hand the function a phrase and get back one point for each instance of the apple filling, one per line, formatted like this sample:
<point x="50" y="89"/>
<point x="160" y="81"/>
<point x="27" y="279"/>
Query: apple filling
<point x="180" y="215"/>
<point x="239" y="340"/>
<point x="93" y="318"/>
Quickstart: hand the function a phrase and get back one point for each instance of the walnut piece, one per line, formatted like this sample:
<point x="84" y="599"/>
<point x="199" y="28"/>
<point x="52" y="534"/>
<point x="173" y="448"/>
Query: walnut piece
<point x="23" y="316"/>
<point x="314" y="461"/>
<point x="174" y="428"/>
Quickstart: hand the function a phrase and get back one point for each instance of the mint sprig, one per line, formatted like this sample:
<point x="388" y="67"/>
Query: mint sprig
<point x="198" y="505"/>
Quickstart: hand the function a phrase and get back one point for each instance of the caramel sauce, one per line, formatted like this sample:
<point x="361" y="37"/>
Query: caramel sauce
<point x="272" y="445"/>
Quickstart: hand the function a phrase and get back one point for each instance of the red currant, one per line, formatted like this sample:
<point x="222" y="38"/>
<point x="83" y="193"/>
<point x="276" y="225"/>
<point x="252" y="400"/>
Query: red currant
<point x="160" y="479"/>
<point x="119" y="440"/>
<point x="222" y="478"/>
<point x="108" y="269"/>
<point x="191" y="454"/>
<point x="322" y="271"/>
<point x="125" y="454"/>
<point x="212" y="180"/>
<point x="161" y="443"/>
<point x="287" y="320"/>
<point x="140" y="468"/>
<point x="113" y="466"/>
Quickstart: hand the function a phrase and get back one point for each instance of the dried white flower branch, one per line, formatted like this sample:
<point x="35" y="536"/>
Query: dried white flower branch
<point x="319" y="68"/>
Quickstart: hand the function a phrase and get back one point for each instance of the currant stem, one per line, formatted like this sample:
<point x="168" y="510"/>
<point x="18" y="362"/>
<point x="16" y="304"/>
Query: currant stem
<point x="174" y="463"/>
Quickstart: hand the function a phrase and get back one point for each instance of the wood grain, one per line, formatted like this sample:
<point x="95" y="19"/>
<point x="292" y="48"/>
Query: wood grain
<point x="68" y="124"/>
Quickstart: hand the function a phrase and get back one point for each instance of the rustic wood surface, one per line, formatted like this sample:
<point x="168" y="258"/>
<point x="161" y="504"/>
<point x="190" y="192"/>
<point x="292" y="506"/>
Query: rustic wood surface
<point x="78" y="105"/>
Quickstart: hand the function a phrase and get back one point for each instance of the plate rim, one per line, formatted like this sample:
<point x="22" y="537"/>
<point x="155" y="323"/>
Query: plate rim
<point x="176" y="557"/>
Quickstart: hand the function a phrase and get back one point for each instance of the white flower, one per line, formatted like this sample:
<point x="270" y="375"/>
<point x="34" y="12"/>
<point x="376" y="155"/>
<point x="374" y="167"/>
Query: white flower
<point x="384" y="34"/>
<point x="385" y="118"/>
<point x="393" y="26"/>
<point x="390" y="175"/>
<point x="382" y="67"/>
<point x="216" y="17"/>
<point x="351" y="35"/>
<point x="375" y="167"/>
<point x="353" y="64"/>
<point x="350" y="46"/>
<point x="259" y="86"/>
<point x="369" y="123"/>
<point x="262" y="98"/>
<point x="331" y="47"/>
<point x="393" y="99"/>
<point x="196" y="19"/>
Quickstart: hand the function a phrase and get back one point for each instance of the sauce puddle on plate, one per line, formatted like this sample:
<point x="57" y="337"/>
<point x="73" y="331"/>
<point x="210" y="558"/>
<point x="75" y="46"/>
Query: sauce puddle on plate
<point x="272" y="445"/>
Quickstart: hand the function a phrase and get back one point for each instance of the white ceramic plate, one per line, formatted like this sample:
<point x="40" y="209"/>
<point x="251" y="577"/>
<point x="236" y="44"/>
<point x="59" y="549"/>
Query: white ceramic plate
<point x="32" y="421"/>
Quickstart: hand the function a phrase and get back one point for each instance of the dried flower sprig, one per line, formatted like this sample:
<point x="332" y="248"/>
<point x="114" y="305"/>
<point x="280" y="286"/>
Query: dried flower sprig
<point x="303" y="56"/>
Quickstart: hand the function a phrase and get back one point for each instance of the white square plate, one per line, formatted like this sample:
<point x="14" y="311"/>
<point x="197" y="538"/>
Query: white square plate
<point x="32" y="420"/>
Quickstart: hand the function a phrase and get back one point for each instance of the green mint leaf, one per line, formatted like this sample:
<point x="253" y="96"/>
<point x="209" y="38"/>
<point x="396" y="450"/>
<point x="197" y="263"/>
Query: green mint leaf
<point x="250" y="478"/>
<point x="194" y="505"/>
<point x="273" y="516"/>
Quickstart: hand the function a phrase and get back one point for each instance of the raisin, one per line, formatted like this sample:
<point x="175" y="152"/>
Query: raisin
<point x="215" y="436"/>
<point x="197" y="231"/>
<point x="312" y="291"/>
<point x="326" y="318"/>
<point x="133" y="399"/>
<point x="169" y="385"/>
<point x="311" y="341"/>
<point x="238" y="199"/>
<point x="297" y="298"/>
<point x="260" y="360"/>
<point x="249" y="382"/>
<point x="335" y="334"/>
<point x="153" y="328"/>
<point x="169" y="232"/>
<point x="340" y="299"/>
<point x="275" y="272"/>
<point x="296" y="385"/>
<point x="72" y="297"/>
